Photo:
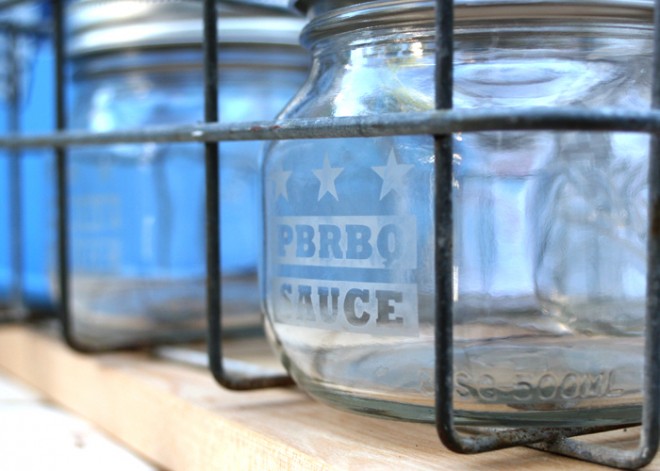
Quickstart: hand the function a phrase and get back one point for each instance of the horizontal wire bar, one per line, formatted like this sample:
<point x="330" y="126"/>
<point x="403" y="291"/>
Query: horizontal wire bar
<point x="417" y="123"/>
<point x="35" y="30"/>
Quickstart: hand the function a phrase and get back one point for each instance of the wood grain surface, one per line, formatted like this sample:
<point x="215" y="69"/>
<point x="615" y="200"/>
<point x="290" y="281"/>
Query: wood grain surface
<point x="176" y="416"/>
<point x="36" y="435"/>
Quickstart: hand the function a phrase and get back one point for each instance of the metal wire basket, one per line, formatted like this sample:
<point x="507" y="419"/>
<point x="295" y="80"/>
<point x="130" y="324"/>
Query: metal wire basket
<point x="440" y="123"/>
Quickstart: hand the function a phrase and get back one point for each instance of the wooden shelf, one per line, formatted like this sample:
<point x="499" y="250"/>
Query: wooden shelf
<point x="64" y="441"/>
<point x="178" y="418"/>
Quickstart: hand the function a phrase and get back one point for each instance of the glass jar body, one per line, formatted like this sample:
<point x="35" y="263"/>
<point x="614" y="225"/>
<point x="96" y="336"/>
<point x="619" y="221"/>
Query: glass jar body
<point x="27" y="202"/>
<point x="137" y="211"/>
<point x="548" y="239"/>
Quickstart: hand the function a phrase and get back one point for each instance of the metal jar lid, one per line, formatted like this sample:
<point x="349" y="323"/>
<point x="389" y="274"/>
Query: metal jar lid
<point x="97" y="26"/>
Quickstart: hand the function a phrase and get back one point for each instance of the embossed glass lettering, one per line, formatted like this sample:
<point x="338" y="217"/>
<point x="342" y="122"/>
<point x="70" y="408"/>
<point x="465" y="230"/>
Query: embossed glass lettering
<point x="358" y="241"/>
<point x="350" y="304"/>
<point x="305" y="241"/>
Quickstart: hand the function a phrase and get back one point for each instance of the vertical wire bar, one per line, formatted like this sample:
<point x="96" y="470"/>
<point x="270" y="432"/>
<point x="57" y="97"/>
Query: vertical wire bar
<point x="15" y="206"/>
<point x="651" y="411"/>
<point x="61" y="175"/>
<point x="214" y="219"/>
<point x="211" y="156"/>
<point x="444" y="17"/>
<point x="651" y="431"/>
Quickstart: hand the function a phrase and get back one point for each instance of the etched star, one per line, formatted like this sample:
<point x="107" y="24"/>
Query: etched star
<point x="392" y="174"/>
<point x="281" y="178"/>
<point x="327" y="176"/>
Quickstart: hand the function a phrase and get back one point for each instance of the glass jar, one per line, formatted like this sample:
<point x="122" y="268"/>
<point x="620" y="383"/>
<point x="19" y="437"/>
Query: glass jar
<point x="26" y="205"/>
<point x="137" y="210"/>
<point x="549" y="227"/>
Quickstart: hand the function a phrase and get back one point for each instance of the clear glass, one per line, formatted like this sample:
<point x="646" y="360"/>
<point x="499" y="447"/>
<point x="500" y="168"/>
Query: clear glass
<point x="137" y="210"/>
<point x="24" y="287"/>
<point x="549" y="227"/>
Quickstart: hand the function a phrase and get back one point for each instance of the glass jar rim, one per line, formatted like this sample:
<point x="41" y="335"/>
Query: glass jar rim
<point x="384" y="13"/>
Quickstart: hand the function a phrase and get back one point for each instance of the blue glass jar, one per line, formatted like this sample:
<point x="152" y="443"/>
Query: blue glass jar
<point x="549" y="227"/>
<point x="27" y="205"/>
<point x="137" y="211"/>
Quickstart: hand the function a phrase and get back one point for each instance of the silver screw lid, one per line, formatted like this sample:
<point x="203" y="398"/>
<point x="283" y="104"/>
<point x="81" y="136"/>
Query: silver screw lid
<point x="105" y="25"/>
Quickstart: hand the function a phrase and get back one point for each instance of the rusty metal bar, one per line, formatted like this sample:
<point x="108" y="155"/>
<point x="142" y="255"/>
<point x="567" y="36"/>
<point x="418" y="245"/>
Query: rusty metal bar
<point x="413" y="123"/>
<point x="242" y="379"/>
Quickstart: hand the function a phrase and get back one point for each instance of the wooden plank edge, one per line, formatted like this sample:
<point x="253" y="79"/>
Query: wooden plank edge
<point x="163" y="428"/>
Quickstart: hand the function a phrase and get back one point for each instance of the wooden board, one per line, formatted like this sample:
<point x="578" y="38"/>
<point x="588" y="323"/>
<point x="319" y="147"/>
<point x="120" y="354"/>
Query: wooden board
<point x="177" y="417"/>
<point x="38" y="435"/>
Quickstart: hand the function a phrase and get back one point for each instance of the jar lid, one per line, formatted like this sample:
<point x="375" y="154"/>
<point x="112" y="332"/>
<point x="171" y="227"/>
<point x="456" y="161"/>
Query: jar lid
<point x="335" y="15"/>
<point x="107" y="25"/>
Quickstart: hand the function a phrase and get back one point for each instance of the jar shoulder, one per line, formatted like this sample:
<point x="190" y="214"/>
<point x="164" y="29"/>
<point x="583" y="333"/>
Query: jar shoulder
<point x="394" y="84"/>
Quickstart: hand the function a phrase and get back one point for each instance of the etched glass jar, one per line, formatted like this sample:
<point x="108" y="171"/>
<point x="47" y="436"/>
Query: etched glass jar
<point x="549" y="227"/>
<point x="137" y="210"/>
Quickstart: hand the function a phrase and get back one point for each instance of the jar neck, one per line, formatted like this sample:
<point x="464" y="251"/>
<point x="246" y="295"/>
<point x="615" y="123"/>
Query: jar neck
<point x="379" y="20"/>
<point x="389" y="67"/>
<point x="405" y="46"/>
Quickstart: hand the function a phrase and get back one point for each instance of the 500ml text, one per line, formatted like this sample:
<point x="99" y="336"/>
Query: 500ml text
<point x="544" y="387"/>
